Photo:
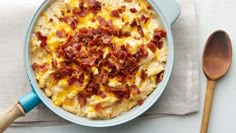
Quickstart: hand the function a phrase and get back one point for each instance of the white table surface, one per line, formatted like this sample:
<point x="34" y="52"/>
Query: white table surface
<point x="212" y="15"/>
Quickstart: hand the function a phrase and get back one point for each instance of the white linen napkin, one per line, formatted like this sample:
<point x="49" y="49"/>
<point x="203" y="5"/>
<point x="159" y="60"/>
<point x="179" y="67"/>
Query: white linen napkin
<point x="180" y="97"/>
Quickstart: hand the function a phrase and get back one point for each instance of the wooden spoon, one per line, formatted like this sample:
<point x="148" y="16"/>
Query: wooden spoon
<point x="216" y="61"/>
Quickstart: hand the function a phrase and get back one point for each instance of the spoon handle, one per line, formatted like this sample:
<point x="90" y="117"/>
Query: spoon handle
<point x="207" y="105"/>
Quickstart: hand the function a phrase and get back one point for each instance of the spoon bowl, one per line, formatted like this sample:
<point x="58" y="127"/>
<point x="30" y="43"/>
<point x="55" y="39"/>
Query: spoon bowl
<point x="217" y="55"/>
<point x="216" y="61"/>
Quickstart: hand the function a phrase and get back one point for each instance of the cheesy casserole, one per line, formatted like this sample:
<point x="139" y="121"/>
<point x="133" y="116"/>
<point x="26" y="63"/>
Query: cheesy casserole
<point x="98" y="58"/>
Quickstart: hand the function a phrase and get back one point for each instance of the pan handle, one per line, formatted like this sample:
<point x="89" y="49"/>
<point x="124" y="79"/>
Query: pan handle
<point x="19" y="109"/>
<point x="169" y="8"/>
<point x="29" y="101"/>
<point x="7" y="117"/>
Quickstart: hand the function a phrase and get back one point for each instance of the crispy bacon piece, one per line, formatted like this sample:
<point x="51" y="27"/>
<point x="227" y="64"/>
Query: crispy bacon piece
<point x="41" y="37"/>
<point x="159" y="77"/>
<point x="83" y="10"/>
<point x="149" y="7"/>
<point x="115" y="13"/>
<point x="62" y="73"/>
<point x="122" y="54"/>
<point x="140" y="102"/>
<point x="74" y="80"/>
<point x="103" y="77"/>
<point x="130" y="66"/>
<point x="81" y="97"/>
<point x="69" y="38"/>
<point x="140" y="30"/>
<point x="82" y="54"/>
<point x="142" y="52"/>
<point x="102" y="21"/>
<point x="106" y="39"/>
<point x="77" y="45"/>
<point x="160" y="44"/>
<point x="54" y="63"/>
<point x="158" y="34"/>
<point x="163" y="33"/>
<point x="70" y="52"/>
<point x="92" y="50"/>
<point x="120" y="92"/>
<point x="143" y="74"/>
<point x="81" y="77"/>
<point x="128" y="1"/>
<point x="144" y="18"/>
<point x="133" y="23"/>
<point x="152" y="46"/>
<point x="89" y="61"/>
<point x="64" y="19"/>
<point x="77" y="11"/>
<point x="50" y="20"/>
<point x="95" y="6"/>
<point x="61" y="33"/>
<point x="42" y="67"/>
<point x="43" y="44"/>
<point x="134" y="89"/>
<point x="73" y="24"/>
<point x="126" y="34"/>
<point x="122" y="9"/>
<point x="133" y="10"/>
<point x="93" y="88"/>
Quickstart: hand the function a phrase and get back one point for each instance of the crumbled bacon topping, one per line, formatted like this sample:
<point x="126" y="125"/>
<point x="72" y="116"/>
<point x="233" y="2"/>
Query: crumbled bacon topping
<point x="41" y="37"/>
<point x="81" y="97"/>
<point x="128" y="1"/>
<point x="95" y="5"/>
<point x="61" y="33"/>
<point x="159" y="77"/>
<point x="142" y="53"/>
<point x="93" y="88"/>
<point x="102" y="21"/>
<point x="91" y="54"/>
<point x="103" y="77"/>
<point x="152" y="46"/>
<point x="120" y="92"/>
<point x="140" y="30"/>
<point x="133" y="23"/>
<point x="61" y="73"/>
<point x="144" y="18"/>
<point x="158" y="35"/>
<point x="143" y="74"/>
<point x="149" y="7"/>
<point x="42" y="68"/>
<point x="140" y="102"/>
<point x="54" y="63"/>
<point x="73" y="24"/>
<point x="43" y="44"/>
<point x="122" y="9"/>
<point x="133" y="10"/>
<point x="115" y="13"/>
<point x="50" y="20"/>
